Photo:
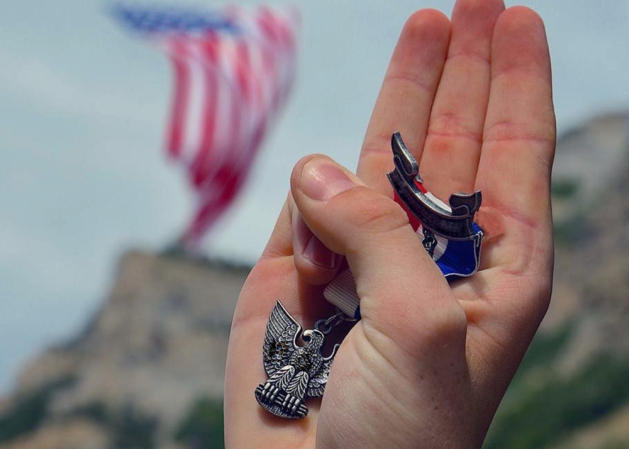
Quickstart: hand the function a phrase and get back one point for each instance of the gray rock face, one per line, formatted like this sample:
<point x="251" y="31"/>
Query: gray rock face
<point x="158" y="344"/>
<point x="592" y="233"/>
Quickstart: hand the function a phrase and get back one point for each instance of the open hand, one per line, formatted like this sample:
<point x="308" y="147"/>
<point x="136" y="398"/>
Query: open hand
<point x="429" y="362"/>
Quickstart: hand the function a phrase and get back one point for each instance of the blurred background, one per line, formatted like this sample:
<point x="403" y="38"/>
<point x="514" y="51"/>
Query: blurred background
<point x="100" y="331"/>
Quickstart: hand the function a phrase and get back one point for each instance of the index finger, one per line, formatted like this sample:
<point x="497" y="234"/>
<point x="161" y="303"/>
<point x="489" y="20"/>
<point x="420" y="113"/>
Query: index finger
<point x="406" y="96"/>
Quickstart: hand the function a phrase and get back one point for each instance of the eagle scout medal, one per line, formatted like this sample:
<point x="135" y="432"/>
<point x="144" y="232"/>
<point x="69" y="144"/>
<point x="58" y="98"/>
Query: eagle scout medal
<point x="449" y="235"/>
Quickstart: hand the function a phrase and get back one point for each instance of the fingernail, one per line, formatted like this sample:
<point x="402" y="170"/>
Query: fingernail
<point x="321" y="180"/>
<point x="319" y="254"/>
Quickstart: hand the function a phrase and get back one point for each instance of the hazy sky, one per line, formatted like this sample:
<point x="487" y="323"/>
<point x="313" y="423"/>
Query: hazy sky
<point x="82" y="111"/>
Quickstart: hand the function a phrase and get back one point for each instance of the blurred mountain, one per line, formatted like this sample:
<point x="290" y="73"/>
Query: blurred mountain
<point x="148" y="371"/>
<point x="147" y="368"/>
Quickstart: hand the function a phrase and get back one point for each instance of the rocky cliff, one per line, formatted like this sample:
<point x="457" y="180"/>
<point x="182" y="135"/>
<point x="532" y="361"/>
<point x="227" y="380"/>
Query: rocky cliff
<point x="148" y="371"/>
<point x="152" y="355"/>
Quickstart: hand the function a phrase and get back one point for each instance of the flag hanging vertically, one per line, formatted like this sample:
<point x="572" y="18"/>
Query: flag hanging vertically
<point x="233" y="70"/>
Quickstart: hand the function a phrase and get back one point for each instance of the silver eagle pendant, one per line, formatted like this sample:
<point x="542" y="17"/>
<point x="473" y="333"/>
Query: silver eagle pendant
<point x="295" y="372"/>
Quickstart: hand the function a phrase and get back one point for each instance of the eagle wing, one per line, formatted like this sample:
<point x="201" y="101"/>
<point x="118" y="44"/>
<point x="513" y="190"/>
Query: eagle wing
<point x="280" y="339"/>
<point x="318" y="381"/>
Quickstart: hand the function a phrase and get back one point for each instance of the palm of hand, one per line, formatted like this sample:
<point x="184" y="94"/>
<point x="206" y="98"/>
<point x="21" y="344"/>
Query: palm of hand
<point x="428" y="363"/>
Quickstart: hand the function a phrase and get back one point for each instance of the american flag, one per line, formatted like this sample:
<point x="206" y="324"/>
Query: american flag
<point x="233" y="71"/>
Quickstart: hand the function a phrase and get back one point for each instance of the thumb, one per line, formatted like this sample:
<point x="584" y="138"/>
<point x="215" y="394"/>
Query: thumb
<point x="402" y="292"/>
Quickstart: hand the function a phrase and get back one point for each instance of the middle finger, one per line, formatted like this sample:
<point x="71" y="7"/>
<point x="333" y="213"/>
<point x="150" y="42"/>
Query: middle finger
<point x="453" y="144"/>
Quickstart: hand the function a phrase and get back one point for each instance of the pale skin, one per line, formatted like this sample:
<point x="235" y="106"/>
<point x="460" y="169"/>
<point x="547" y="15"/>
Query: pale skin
<point x="429" y="362"/>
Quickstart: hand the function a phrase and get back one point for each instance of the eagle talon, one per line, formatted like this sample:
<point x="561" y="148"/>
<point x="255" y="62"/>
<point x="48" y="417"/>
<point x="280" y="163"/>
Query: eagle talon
<point x="274" y="391"/>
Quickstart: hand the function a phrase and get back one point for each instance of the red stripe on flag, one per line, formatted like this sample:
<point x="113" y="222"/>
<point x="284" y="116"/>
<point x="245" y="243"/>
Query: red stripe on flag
<point x="266" y="20"/>
<point x="179" y="99"/>
<point x="227" y="184"/>
<point x="243" y="68"/>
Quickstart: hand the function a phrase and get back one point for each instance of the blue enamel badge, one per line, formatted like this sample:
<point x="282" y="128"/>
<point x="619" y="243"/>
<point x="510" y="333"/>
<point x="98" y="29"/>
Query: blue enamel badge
<point x="448" y="231"/>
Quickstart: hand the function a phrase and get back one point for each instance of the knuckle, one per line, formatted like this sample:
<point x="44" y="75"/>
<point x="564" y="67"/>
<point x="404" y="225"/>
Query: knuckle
<point x="373" y="212"/>
<point x="445" y="327"/>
